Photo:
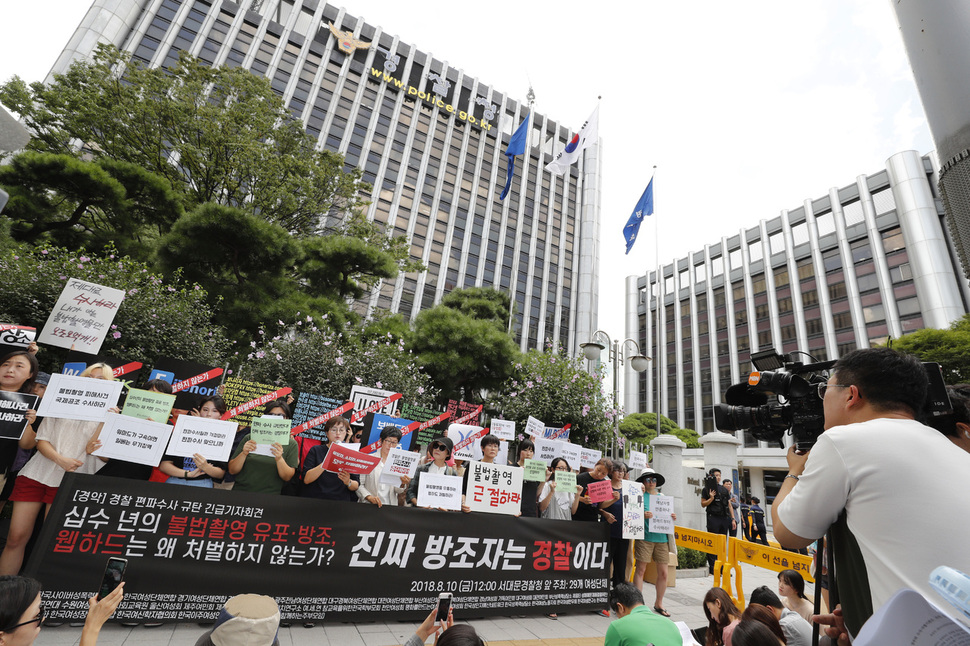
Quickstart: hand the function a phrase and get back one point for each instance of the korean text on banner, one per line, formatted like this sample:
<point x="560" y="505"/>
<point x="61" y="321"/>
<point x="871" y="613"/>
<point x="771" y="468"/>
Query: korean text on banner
<point x="438" y="491"/>
<point x="493" y="488"/>
<point x="133" y="440"/>
<point x="600" y="490"/>
<point x="343" y="458"/>
<point x="366" y="400"/>
<point x="633" y="518"/>
<point x="572" y="453"/>
<point x="638" y="460"/>
<point x="81" y="398"/>
<point x="210" y="438"/>
<point x="548" y="450"/>
<point x="399" y="463"/>
<point x="267" y="430"/>
<point x="503" y="429"/>
<point x="662" y="508"/>
<point x="565" y="481"/>
<point x="13" y="414"/>
<point x="82" y="316"/>
<point x="144" y="404"/>
<point x="535" y="428"/>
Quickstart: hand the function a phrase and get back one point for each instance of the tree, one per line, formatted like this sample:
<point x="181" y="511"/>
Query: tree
<point x="642" y="428"/>
<point x="555" y="388"/>
<point x="463" y="343"/>
<point x="950" y="348"/>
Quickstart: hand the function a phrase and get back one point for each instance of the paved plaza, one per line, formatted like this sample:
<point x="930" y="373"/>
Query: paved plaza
<point x="683" y="602"/>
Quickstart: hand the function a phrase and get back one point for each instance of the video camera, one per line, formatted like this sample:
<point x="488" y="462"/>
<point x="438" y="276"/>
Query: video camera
<point x="797" y="407"/>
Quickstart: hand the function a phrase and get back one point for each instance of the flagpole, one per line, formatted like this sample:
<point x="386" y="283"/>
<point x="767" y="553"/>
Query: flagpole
<point x="660" y="350"/>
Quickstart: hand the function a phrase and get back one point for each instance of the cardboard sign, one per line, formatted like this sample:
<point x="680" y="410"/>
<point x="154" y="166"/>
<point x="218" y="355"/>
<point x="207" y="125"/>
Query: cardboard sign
<point x="572" y="453"/>
<point x="133" y="440"/>
<point x="373" y="400"/>
<point x="438" y="491"/>
<point x="81" y="398"/>
<point x="148" y="405"/>
<point x="493" y="488"/>
<point x="374" y="423"/>
<point x="210" y="438"/>
<point x="465" y="437"/>
<point x="662" y="508"/>
<point x="600" y="490"/>
<point x="535" y="428"/>
<point x="633" y="525"/>
<point x="248" y="399"/>
<point x="565" y="481"/>
<point x="547" y="451"/>
<point x="13" y="414"/>
<point x="398" y="463"/>
<point x="82" y="316"/>
<point x="343" y="458"/>
<point x="465" y="412"/>
<point x="589" y="457"/>
<point x="504" y="429"/>
<point x="638" y="460"/>
<point x="534" y="471"/>
<point x="190" y="381"/>
<point x="432" y="422"/>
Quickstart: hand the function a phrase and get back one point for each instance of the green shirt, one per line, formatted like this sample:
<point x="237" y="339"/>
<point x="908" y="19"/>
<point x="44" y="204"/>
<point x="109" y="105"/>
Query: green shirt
<point x="641" y="627"/>
<point x="651" y="537"/>
<point x="259" y="473"/>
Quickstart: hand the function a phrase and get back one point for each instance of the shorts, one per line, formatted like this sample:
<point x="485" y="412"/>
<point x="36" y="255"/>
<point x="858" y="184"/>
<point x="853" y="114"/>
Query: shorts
<point x="647" y="552"/>
<point x="27" y="490"/>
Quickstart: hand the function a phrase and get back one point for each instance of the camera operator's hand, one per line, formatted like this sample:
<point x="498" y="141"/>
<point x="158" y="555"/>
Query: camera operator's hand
<point x="796" y="462"/>
<point x="834" y="626"/>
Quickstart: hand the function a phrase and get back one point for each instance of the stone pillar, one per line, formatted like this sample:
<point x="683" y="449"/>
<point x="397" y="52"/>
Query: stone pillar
<point x="721" y="452"/>
<point x="668" y="461"/>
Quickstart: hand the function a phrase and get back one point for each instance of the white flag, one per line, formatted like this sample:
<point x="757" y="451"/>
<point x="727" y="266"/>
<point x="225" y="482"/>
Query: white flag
<point x="585" y="138"/>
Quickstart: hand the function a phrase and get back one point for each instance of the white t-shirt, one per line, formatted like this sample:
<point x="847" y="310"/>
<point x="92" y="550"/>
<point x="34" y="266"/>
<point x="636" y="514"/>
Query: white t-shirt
<point x="902" y="486"/>
<point x="561" y="505"/>
<point x="69" y="437"/>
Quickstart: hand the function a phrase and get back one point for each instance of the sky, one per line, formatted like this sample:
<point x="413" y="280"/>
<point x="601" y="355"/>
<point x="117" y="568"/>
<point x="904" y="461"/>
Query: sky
<point x="745" y="108"/>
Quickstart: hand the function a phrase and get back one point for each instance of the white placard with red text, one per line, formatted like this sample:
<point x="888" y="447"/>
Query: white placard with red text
<point x="589" y="457"/>
<point x="210" y="438"/>
<point x="503" y="429"/>
<point x="82" y="316"/>
<point x="399" y="463"/>
<point x="493" y="488"/>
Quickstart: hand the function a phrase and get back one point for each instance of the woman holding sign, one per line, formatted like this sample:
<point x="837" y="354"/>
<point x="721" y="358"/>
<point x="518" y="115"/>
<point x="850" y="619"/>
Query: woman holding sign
<point x="558" y="505"/>
<point x="197" y="471"/>
<point x="260" y="473"/>
<point x="17" y="373"/>
<point x="326" y="485"/>
<point x="371" y="490"/>
<point x="62" y="446"/>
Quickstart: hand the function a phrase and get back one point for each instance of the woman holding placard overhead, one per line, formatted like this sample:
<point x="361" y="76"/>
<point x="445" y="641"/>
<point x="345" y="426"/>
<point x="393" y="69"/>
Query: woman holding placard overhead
<point x="258" y="473"/>
<point x="62" y="446"/>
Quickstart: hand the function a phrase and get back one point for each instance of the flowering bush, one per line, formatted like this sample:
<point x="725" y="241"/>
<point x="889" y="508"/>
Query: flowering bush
<point x="158" y="318"/>
<point x="555" y="388"/>
<point x="308" y="356"/>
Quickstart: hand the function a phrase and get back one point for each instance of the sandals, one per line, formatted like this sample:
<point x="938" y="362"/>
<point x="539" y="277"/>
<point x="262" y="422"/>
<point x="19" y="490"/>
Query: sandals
<point x="661" y="611"/>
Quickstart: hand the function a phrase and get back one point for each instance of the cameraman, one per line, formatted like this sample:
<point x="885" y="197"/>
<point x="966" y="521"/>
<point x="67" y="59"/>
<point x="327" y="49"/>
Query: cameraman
<point x="886" y="486"/>
<point x="716" y="500"/>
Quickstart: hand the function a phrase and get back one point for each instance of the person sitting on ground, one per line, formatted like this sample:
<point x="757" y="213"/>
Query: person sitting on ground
<point x="791" y="589"/>
<point x="755" y="633"/>
<point x="22" y="613"/>
<point x="797" y="631"/>
<point x="722" y="616"/>
<point x="439" y="452"/>
<point x="763" y="615"/>
<point x="637" y="626"/>
<point x="245" y="619"/>
<point x="655" y="547"/>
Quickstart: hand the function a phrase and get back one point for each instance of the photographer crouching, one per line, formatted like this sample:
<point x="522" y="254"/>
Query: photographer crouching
<point x="716" y="501"/>
<point x="885" y="487"/>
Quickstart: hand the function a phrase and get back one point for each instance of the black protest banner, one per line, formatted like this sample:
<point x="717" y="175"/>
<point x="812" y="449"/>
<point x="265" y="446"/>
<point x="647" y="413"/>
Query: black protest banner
<point x="308" y="410"/>
<point x="14" y="338"/>
<point x="464" y="412"/>
<point x="13" y="413"/>
<point x="189" y="549"/>
<point x="422" y="414"/>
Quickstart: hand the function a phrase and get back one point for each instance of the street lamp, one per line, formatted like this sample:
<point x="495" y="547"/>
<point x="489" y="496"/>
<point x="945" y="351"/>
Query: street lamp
<point x="639" y="362"/>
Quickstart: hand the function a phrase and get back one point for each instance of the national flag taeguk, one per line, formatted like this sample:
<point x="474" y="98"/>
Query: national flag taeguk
<point x="516" y="147"/>
<point x="643" y="207"/>
<point x="582" y="140"/>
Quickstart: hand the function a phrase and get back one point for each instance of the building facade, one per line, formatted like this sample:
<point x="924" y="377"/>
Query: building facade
<point x="429" y="138"/>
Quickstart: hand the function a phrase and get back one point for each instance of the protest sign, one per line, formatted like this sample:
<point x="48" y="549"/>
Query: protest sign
<point x="248" y="399"/>
<point x="341" y="457"/>
<point x="311" y="412"/>
<point x="281" y="546"/>
<point x="81" y="316"/>
<point x="638" y="460"/>
<point x="493" y="488"/>
<point x="313" y="429"/>
<point x="268" y="430"/>
<point x="432" y="422"/>
<point x="398" y="463"/>
<point x="534" y="471"/>
<point x="190" y="381"/>
<point x="662" y="508"/>
<point x="558" y="433"/>
<point x="81" y="398"/>
<point x="148" y="405"/>
<point x="535" y="428"/>
<point x="547" y="451"/>
<point x="374" y="423"/>
<point x="465" y="412"/>
<point x="13" y="413"/>
<point x="589" y="457"/>
<point x="465" y="438"/>
<point x="633" y="519"/>
<point x="572" y="453"/>
<point x="210" y="438"/>
<point x="133" y="440"/>
<point x="373" y="400"/>
<point x="15" y="337"/>
<point x="565" y="481"/>
<point x="600" y="490"/>
<point x="504" y="429"/>
<point x="438" y="491"/>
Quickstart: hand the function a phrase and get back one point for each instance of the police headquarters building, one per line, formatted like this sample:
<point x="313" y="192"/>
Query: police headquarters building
<point x="429" y="138"/>
<point x="850" y="269"/>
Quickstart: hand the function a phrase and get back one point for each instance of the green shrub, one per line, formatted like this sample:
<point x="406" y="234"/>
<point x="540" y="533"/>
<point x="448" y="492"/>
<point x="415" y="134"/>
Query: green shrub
<point x="688" y="558"/>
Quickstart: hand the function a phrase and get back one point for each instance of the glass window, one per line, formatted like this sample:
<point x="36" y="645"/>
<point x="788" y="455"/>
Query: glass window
<point x="892" y="240"/>
<point x="883" y="201"/>
<point x="825" y="223"/>
<point x="700" y="273"/>
<point x="861" y="251"/>
<point x="754" y="251"/>
<point x="776" y="241"/>
<point x="799" y="233"/>
<point x="735" y="258"/>
<point x="853" y="213"/>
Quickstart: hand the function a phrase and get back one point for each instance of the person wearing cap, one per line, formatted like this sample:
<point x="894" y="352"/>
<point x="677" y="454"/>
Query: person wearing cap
<point x="245" y="620"/>
<point x="653" y="547"/>
<point x="439" y="452"/>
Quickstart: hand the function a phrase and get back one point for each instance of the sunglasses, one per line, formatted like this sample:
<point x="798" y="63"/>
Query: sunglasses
<point x="438" y="447"/>
<point x="39" y="618"/>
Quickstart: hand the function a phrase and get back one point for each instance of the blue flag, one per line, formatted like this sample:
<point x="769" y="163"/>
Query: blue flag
<point x="643" y="207"/>
<point x="516" y="147"/>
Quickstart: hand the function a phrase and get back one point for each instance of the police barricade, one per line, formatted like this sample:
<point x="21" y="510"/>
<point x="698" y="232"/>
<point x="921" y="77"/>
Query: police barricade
<point x="710" y="543"/>
<point x="189" y="549"/>
<point x="770" y="558"/>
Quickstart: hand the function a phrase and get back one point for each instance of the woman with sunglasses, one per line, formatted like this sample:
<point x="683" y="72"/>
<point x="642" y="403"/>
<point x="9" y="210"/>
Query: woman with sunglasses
<point x="22" y="612"/>
<point x="439" y="452"/>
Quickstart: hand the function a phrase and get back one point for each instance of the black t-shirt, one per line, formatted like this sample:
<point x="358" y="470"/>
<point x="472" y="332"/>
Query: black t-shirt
<point x="124" y="469"/>
<point x="529" y="506"/>
<point x="721" y="504"/>
<point x="584" y="511"/>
